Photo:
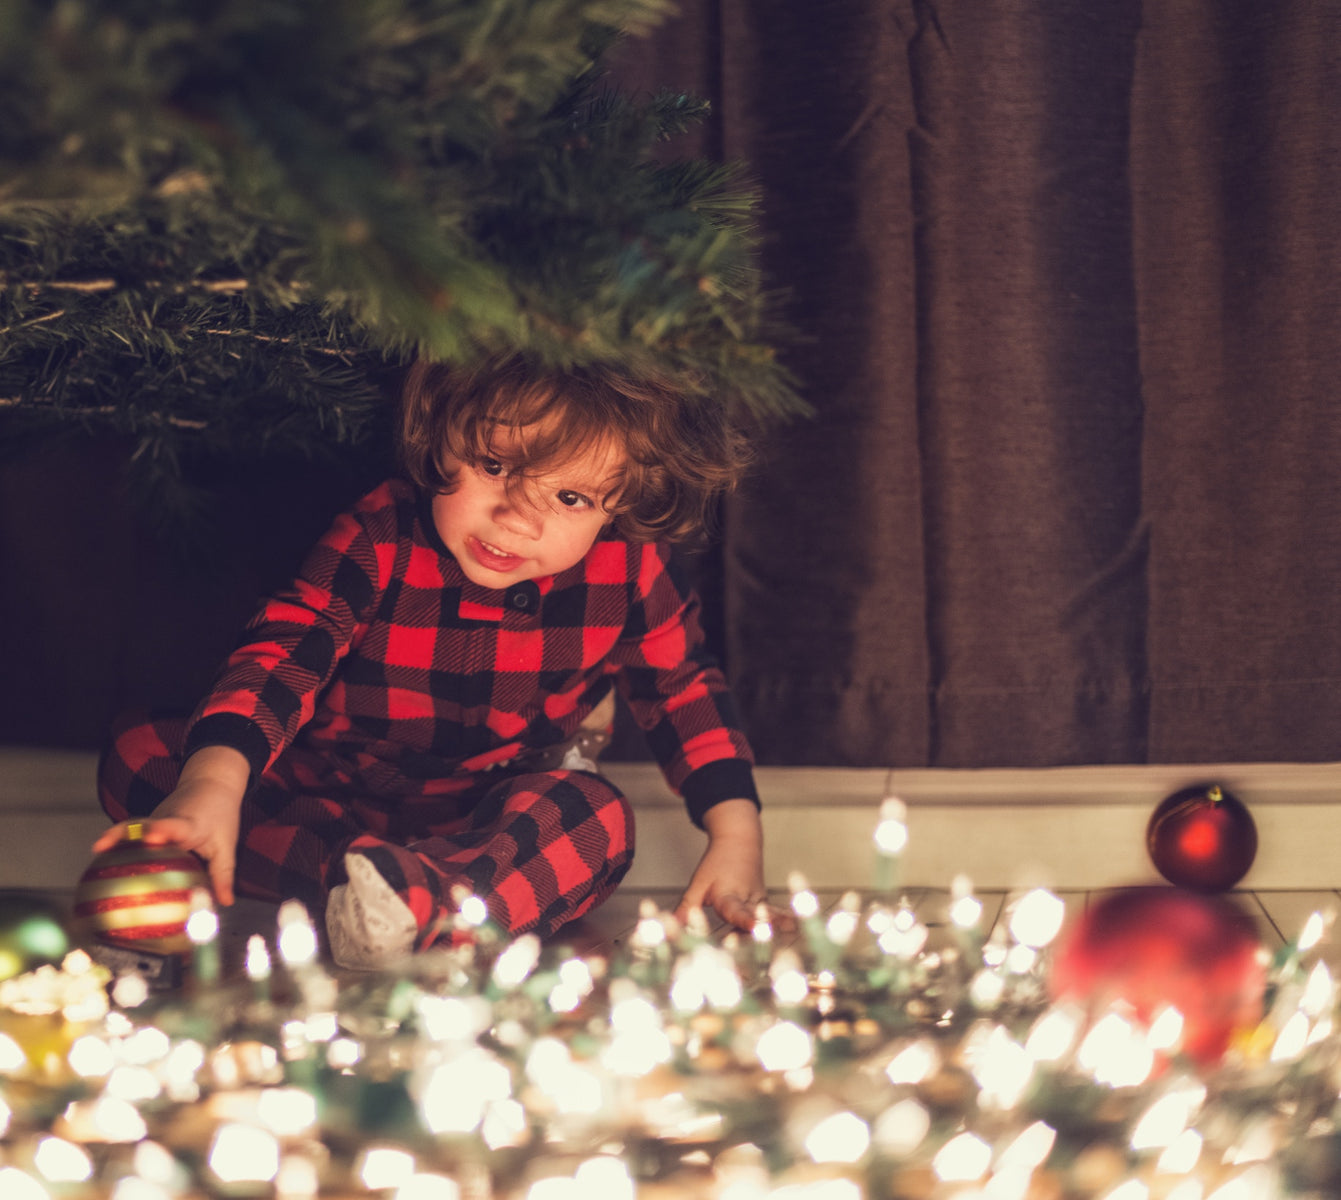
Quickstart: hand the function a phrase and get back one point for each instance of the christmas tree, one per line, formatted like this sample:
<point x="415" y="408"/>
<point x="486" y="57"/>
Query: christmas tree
<point x="223" y="224"/>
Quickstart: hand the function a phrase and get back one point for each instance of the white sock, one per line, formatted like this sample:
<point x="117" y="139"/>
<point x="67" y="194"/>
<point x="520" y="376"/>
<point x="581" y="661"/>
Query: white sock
<point x="368" y="926"/>
<point x="575" y="760"/>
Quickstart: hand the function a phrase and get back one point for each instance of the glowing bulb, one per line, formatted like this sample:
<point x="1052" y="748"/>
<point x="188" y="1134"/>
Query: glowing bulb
<point x="62" y="1162"/>
<point x="805" y="904"/>
<point x="1312" y="932"/>
<point x="1259" y="1142"/>
<point x="244" y="1154"/>
<point x="1133" y="1189"/>
<point x="576" y="974"/>
<point x="891" y="831"/>
<point x="901" y="1128"/>
<point x="1037" y="918"/>
<point x="762" y="932"/>
<point x="1166" y="1030"/>
<point x="202" y="926"/>
<point x="156" y="1163"/>
<point x="1292" y="1039"/>
<point x="966" y="912"/>
<point x="1253" y="1184"/>
<point x="517" y="961"/>
<point x="1182" y="1153"/>
<point x="474" y="911"/>
<point x="134" y="1084"/>
<point x="606" y="1177"/>
<point x="446" y="1018"/>
<point x="385" y="1167"/>
<point x="297" y="940"/>
<point x="841" y="1138"/>
<point x="106" y="1119"/>
<point x="649" y="933"/>
<point x="132" y="1187"/>
<point x="1167" y="1118"/>
<point x="456" y="1092"/>
<point x="784" y="1047"/>
<point x="913" y="1063"/>
<point x="505" y="1124"/>
<point x="130" y="991"/>
<point x="962" y="1159"/>
<point x="986" y="989"/>
<point x="258" y="958"/>
<point x="427" y="1186"/>
<point x="1053" y="1034"/>
<point x="818" y="1189"/>
<point x="1318" y="991"/>
<point x="296" y="1178"/>
<point x="555" y="1187"/>
<point x="147" y="1045"/>
<point x="790" y="988"/>
<point x="1186" y="1189"/>
<point x="1003" y="1069"/>
<point x="286" y="1111"/>
<point x="905" y="936"/>
<point x="841" y="926"/>
<point x="1115" y="1053"/>
<point x="19" y="1185"/>
<point x="1030" y="1149"/>
<point x="90" y="1057"/>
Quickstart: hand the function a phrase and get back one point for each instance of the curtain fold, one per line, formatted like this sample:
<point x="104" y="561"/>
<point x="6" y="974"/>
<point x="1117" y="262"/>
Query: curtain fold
<point x="824" y="572"/>
<point x="1236" y="159"/>
<point x="1028" y="382"/>
<point x="1065" y="285"/>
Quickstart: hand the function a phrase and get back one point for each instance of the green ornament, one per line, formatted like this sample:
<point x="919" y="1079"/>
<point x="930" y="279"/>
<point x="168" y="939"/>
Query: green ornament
<point x="33" y="932"/>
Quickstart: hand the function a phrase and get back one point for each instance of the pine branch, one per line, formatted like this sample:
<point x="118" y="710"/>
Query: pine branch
<point x="227" y="222"/>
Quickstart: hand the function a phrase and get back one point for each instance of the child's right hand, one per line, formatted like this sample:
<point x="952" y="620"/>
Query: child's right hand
<point x="201" y="815"/>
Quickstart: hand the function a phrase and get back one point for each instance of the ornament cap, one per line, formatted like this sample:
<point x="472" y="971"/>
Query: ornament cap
<point x="135" y="831"/>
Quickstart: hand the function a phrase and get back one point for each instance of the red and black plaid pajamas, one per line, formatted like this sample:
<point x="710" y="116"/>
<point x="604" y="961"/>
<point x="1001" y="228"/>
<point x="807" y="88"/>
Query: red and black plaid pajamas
<point x="389" y="706"/>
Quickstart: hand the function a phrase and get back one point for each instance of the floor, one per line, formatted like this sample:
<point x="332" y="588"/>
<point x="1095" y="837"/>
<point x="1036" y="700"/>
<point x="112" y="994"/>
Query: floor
<point x="1280" y="916"/>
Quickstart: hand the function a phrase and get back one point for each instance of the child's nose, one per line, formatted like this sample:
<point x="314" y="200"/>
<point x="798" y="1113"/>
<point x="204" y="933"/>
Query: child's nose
<point x="518" y="516"/>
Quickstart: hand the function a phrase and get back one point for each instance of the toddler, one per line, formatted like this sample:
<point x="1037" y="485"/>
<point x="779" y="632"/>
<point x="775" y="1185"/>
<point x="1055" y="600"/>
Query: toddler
<point x="409" y="720"/>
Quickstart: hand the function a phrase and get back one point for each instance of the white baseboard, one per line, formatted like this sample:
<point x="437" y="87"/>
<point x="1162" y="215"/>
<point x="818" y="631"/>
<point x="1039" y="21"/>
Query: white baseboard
<point x="1065" y="827"/>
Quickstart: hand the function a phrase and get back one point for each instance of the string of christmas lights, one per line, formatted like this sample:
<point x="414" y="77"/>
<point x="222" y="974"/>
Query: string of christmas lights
<point x="865" y="1055"/>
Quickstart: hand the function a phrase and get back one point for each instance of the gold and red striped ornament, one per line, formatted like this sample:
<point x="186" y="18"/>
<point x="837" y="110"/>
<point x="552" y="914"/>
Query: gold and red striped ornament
<point x="139" y="896"/>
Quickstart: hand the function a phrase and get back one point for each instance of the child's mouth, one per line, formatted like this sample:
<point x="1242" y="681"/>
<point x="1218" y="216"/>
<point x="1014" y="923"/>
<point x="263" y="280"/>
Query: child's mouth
<point x="491" y="556"/>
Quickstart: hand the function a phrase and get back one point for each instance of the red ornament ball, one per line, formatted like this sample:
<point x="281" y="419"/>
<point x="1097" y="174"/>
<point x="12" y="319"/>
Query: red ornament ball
<point x="1202" y="837"/>
<point x="1156" y="947"/>
<point x="139" y="896"/>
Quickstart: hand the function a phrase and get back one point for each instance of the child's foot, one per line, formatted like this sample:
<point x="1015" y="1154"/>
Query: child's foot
<point x="368" y="926"/>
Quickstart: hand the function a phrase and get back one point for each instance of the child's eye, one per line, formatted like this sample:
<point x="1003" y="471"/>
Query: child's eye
<point x="491" y="466"/>
<point x="573" y="499"/>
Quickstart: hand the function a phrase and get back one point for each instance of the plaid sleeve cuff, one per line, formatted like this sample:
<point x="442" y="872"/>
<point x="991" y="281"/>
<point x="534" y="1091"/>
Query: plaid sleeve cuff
<point x="238" y="732"/>
<point x="725" y="779"/>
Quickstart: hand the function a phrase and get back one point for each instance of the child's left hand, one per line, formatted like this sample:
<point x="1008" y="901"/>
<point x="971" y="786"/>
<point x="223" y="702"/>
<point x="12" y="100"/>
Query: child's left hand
<point x="730" y="875"/>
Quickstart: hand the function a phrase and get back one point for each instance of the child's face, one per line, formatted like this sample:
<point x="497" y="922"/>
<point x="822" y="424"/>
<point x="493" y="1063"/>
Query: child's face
<point x="502" y="535"/>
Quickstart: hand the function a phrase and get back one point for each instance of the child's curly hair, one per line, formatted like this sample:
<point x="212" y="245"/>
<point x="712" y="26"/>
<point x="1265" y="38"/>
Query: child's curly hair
<point x="680" y="453"/>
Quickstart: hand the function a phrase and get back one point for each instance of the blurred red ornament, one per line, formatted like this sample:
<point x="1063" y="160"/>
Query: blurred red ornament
<point x="139" y="896"/>
<point x="1160" y="947"/>
<point x="1202" y="837"/>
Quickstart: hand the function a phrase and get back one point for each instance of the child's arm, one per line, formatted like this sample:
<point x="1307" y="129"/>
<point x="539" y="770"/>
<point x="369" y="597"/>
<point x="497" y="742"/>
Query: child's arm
<point x="730" y="875"/>
<point x="201" y="814"/>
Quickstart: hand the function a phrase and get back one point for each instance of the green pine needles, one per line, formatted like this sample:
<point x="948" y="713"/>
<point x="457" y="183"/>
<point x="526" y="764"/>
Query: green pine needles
<point x="221" y="221"/>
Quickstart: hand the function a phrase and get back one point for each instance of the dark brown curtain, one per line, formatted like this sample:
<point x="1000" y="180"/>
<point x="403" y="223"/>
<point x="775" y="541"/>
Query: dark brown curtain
<point x="1064" y="278"/>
